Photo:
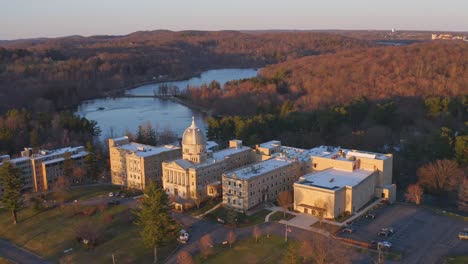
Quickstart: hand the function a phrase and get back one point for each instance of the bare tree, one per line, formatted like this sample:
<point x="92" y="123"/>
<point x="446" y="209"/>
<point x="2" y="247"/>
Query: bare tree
<point x="284" y="200"/>
<point x="414" y="193"/>
<point x="206" y="246"/>
<point x="184" y="258"/>
<point x="88" y="233"/>
<point x="231" y="238"/>
<point x="256" y="233"/>
<point x="79" y="174"/>
<point x="60" y="189"/>
<point x="442" y="175"/>
<point x="322" y="250"/>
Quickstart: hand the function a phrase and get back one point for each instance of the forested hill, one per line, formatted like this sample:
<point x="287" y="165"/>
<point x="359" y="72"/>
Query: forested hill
<point x="60" y="72"/>
<point x="312" y="82"/>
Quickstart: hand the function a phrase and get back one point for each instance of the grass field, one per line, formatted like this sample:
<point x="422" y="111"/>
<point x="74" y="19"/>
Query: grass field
<point x="277" y="216"/>
<point x="50" y="232"/>
<point x="203" y="207"/>
<point x="85" y="193"/>
<point x="456" y="260"/>
<point x="243" y="220"/>
<point x="267" y="250"/>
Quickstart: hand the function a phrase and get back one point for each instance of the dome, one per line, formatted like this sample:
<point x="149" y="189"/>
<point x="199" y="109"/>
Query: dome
<point x="193" y="135"/>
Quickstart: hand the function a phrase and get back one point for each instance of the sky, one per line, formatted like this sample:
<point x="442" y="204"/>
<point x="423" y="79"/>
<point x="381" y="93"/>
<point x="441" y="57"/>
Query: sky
<point x="54" y="18"/>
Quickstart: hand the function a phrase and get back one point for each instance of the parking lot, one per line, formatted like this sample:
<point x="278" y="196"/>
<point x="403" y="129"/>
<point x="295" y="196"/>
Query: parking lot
<point x="421" y="235"/>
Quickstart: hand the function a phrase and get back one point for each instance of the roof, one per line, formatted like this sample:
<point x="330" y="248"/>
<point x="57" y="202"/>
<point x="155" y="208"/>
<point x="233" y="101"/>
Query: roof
<point x="270" y="144"/>
<point x="294" y="153"/>
<point x="193" y="135"/>
<point x="44" y="154"/>
<point x="220" y="156"/>
<point x="258" y="169"/>
<point x="332" y="152"/>
<point x="77" y="155"/>
<point x="143" y="150"/>
<point x="333" y="179"/>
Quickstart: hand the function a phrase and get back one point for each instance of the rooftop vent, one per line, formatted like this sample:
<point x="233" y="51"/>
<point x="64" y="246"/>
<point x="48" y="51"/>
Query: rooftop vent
<point x="332" y="180"/>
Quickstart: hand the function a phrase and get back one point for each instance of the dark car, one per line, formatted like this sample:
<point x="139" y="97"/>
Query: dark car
<point x="384" y="233"/>
<point x="113" y="203"/>
<point x="371" y="215"/>
<point x="348" y="230"/>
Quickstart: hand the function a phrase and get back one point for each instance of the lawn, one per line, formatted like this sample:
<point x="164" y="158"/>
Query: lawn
<point x="277" y="216"/>
<point x="85" y="193"/>
<point x="456" y="260"/>
<point x="51" y="232"/>
<point x="266" y="250"/>
<point x="243" y="220"/>
<point x="203" y="207"/>
<point x="327" y="227"/>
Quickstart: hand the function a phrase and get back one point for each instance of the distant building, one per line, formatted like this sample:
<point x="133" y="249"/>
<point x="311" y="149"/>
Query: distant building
<point x="198" y="173"/>
<point x="133" y="165"/>
<point x="39" y="170"/>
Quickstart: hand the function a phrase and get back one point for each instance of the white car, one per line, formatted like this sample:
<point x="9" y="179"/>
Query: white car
<point x="111" y="194"/>
<point x="183" y="237"/>
<point x="384" y="244"/>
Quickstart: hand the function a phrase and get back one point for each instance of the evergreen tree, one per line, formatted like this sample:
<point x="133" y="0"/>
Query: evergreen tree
<point x="154" y="217"/>
<point x="12" y="184"/>
<point x="90" y="161"/>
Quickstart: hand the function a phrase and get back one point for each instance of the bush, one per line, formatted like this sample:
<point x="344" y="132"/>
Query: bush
<point x="89" y="211"/>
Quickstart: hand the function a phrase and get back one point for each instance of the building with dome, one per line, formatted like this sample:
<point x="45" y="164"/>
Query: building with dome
<point x="198" y="173"/>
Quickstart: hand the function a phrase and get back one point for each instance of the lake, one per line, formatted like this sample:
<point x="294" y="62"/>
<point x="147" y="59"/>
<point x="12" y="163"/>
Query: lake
<point x="115" y="115"/>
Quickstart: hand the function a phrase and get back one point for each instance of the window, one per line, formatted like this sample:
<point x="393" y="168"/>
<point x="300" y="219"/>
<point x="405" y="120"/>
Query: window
<point x="229" y="182"/>
<point x="240" y="193"/>
<point x="234" y="184"/>
<point x="315" y="165"/>
<point x="240" y="185"/>
<point x="229" y="200"/>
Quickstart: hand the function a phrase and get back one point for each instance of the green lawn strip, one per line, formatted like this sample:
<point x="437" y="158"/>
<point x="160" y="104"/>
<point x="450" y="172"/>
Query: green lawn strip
<point x="243" y="220"/>
<point x="447" y="213"/>
<point x="327" y="227"/>
<point x="266" y="250"/>
<point x="203" y="208"/>
<point x="456" y="260"/>
<point x="277" y="216"/>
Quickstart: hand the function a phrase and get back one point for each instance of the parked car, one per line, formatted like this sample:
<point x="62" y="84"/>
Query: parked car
<point x="384" y="244"/>
<point x="384" y="233"/>
<point x="348" y="230"/>
<point x="371" y="215"/>
<point x="123" y="195"/>
<point x="184" y="236"/>
<point x="391" y="230"/>
<point x="111" y="194"/>
<point x="463" y="235"/>
<point x="113" y="203"/>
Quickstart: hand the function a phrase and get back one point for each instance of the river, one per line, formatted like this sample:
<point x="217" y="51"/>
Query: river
<point x="116" y="115"/>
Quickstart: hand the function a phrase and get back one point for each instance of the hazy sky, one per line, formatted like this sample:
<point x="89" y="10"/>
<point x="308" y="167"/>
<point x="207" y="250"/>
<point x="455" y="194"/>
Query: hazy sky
<point x="52" y="18"/>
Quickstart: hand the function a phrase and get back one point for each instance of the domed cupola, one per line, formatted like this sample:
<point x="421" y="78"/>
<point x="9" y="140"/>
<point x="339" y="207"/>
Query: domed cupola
<point x="194" y="144"/>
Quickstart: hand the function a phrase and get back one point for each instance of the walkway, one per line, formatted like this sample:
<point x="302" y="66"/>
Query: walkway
<point x="209" y="211"/>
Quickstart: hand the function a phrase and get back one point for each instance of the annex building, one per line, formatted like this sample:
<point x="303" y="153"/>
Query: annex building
<point x="198" y="173"/>
<point x="133" y="164"/>
<point x="40" y="169"/>
<point x="343" y="181"/>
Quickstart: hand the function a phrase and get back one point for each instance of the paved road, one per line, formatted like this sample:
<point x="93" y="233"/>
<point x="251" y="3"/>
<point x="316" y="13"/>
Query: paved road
<point x="218" y="233"/>
<point x="18" y="255"/>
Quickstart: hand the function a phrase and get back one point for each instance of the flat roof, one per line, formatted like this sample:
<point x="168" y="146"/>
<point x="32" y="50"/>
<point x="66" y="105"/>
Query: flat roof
<point x="259" y="168"/>
<point x="221" y="155"/>
<point x="333" y="179"/>
<point x="294" y="153"/>
<point x="270" y="144"/>
<point x="77" y="155"/>
<point x="332" y="152"/>
<point x="143" y="150"/>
